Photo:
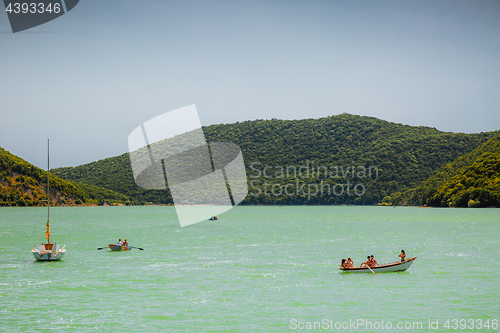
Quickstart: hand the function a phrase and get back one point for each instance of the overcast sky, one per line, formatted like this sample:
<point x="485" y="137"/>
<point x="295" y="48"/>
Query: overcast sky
<point x="88" y="78"/>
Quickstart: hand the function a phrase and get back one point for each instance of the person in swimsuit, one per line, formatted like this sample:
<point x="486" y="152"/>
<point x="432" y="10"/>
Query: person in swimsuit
<point x="373" y="262"/>
<point x="125" y="243"/>
<point x="402" y="255"/>
<point x="350" y="264"/>
<point x="343" y="264"/>
<point x="367" y="262"/>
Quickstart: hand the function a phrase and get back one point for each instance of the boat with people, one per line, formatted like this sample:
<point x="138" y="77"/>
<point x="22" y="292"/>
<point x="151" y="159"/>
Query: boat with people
<point x="48" y="251"/>
<point x="116" y="247"/>
<point x="121" y="246"/>
<point x="398" y="266"/>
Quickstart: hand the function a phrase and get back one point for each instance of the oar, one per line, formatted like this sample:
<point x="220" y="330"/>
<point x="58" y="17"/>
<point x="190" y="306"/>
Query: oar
<point x="102" y="248"/>
<point x="370" y="269"/>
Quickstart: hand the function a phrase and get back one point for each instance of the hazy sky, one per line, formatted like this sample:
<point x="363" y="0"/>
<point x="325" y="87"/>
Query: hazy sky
<point x="88" y="78"/>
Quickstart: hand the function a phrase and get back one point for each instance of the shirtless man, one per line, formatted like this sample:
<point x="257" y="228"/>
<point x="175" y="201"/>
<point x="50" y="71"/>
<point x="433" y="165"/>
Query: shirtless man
<point x="373" y="262"/>
<point x="367" y="262"/>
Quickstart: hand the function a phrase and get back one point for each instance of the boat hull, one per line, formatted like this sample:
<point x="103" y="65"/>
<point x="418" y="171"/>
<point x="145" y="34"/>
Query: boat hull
<point x="400" y="266"/>
<point x="114" y="247"/>
<point x="42" y="254"/>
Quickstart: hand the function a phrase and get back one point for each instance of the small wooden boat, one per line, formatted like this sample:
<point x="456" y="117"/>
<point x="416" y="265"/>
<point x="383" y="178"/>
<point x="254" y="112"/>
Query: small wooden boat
<point x="48" y="251"/>
<point x="398" y="266"/>
<point x="116" y="247"/>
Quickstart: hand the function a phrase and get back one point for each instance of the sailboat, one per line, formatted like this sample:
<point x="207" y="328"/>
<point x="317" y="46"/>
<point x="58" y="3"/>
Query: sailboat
<point x="48" y="251"/>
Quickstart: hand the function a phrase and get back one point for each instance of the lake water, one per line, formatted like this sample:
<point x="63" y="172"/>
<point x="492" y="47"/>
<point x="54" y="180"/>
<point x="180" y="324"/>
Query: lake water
<point x="261" y="269"/>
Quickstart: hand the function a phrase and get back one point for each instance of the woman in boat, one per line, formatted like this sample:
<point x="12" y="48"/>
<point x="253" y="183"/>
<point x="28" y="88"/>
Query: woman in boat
<point x="343" y="264"/>
<point x="350" y="264"/>
<point x="120" y="243"/>
<point x="125" y="243"/>
<point x="373" y="262"/>
<point x="402" y="255"/>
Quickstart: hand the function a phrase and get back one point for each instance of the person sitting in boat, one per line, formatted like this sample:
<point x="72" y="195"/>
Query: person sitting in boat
<point x="120" y="243"/>
<point x="402" y="255"/>
<point x="367" y="262"/>
<point x="350" y="264"/>
<point x="344" y="264"/>
<point x="373" y="262"/>
<point x="125" y="243"/>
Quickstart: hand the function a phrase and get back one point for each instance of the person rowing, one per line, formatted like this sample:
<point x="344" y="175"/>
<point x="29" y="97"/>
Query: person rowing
<point x="373" y="262"/>
<point x="367" y="263"/>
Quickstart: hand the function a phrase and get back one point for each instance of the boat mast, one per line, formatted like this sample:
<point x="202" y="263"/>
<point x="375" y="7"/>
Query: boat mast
<point x="48" y="195"/>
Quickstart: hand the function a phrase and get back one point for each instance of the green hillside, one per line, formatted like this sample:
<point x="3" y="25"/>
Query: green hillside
<point x="472" y="180"/>
<point x="114" y="173"/>
<point x="353" y="159"/>
<point x="23" y="184"/>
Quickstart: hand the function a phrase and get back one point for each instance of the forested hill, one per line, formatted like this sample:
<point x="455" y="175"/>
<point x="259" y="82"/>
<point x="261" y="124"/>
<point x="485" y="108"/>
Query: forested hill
<point x="339" y="152"/>
<point x="472" y="180"/>
<point x="23" y="184"/>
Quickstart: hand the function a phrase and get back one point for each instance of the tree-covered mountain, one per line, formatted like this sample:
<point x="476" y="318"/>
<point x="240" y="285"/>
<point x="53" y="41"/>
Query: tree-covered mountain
<point x="23" y="184"/>
<point x="114" y="173"/>
<point x="472" y="180"/>
<point x="343" y="159"/>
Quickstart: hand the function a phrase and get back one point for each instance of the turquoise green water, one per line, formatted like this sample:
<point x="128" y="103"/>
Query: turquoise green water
<point x="259" y="269"/>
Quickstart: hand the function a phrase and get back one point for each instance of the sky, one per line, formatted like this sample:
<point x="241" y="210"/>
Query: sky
<point x="87" y="79"/>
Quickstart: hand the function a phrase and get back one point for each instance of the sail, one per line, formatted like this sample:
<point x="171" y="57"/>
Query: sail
<point x="47" y="233"/>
